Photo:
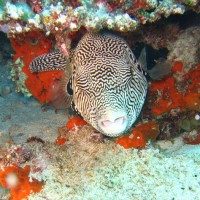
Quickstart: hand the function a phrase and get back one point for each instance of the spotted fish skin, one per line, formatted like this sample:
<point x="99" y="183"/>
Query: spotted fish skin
<point x="109" y="87"/>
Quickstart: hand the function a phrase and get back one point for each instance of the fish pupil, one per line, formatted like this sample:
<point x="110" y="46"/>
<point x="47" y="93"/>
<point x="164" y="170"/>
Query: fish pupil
<point x="69" y="87"/>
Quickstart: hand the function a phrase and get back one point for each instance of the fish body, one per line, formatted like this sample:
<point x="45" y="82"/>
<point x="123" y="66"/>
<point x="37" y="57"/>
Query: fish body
<point x="107" y="85"/>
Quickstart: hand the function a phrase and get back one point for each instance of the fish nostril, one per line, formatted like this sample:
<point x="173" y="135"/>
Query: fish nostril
<point x="119" y="120"/>
<point x="106" y="123"/>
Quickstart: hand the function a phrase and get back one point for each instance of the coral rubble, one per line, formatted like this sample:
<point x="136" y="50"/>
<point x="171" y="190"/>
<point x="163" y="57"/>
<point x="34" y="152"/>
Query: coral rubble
<point x="39" y="27"/>
<point x="81" y="170"/>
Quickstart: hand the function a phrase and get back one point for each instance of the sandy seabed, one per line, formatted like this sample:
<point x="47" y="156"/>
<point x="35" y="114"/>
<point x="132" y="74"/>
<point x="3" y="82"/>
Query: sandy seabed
<point x="167" y="170"/>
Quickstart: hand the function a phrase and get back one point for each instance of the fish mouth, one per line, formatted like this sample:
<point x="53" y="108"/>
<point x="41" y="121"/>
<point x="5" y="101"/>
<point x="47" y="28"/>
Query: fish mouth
<point x="114" y="133"/>
<point x="113" y="127"/>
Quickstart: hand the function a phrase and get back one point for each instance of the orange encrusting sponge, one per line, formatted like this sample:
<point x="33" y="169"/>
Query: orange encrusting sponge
<point x="28" y="47"/>
<point x="170" y="97"/>
<point x="75" y="121"/>
<point x="17" y="180"/>
<point x="70" y="126"/>
<point x="139" y="136"/>
<point x="60" y="140"/>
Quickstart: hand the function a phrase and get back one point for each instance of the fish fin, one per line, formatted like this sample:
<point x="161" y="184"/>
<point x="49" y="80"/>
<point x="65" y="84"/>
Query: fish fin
<point x="142" y="61"/>
<point x="138" y="64"/>
<point x="61" y="92"/>
<point x="160" y="70"/>
<point x="49" y="62"/>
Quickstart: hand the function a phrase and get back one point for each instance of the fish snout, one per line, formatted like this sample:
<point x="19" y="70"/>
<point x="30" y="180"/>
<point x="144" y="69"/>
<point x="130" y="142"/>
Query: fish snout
<point x="113" y="124"/>
<point x="117" y="121"/>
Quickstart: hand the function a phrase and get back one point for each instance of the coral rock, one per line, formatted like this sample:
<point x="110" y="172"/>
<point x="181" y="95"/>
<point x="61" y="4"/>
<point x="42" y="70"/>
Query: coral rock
<point x="188" y="41"/>
<point x="192" y="138"/>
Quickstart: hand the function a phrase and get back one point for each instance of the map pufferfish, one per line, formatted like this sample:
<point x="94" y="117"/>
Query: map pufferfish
<point x="106" y="85"/>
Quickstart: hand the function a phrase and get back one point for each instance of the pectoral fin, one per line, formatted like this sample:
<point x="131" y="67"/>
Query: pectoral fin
<point x="61" y="92"/>
<point x="49" y="62"/>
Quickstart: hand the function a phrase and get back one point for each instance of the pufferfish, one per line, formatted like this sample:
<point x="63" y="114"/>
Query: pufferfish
<point x="106" y="85"/>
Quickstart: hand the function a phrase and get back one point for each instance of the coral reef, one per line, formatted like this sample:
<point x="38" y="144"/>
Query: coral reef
<point x="41" y="26"/>
<point x="160" y="35"/>
<point x="174" y="101"/>
<point x="74" y="124"/>
<point x="19" y="77"/>
<point x="73" y="168"/>
<point x="55" y="17"/>
<point x="80" y="159"/>
<point x="179" y="40"/>
<point x="81" y="169"/>
<point x="178" y="91"/>
<point x="77" y="153"/>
